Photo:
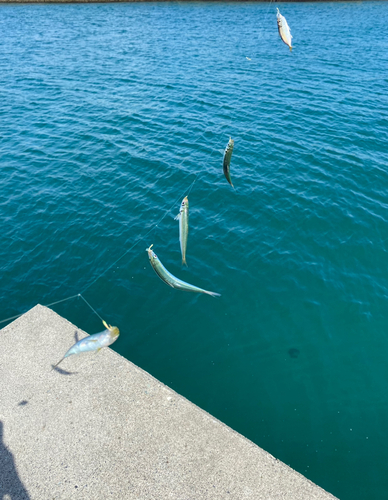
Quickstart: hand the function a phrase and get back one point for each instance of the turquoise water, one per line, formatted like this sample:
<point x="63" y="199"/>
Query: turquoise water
<point x="107" y="114"/>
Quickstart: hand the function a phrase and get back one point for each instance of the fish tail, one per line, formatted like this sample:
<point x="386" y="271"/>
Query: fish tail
<point x="54" y="366"/>
<point x="184" y="263"/>
<point x="290" y="49"/>
<point x="213" y="294"/>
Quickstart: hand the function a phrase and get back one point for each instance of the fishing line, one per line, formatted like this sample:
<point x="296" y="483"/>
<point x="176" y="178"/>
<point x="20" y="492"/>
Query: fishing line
<point x="264" y="20"/>
<point x="59" y="301"/>
<point x="86" y="302"/>
<point x="46" y="305"/>
<point x="146" y="234"/>
<point x="192" y="185"/>
<point x="266" y="14"/>
<point x="138" y="240"/>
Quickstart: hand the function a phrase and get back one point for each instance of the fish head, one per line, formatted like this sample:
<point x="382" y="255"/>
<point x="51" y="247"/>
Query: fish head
<point x="114" y="332"/>
<point x="151" y="254"/>
<point x="231" y="143"/>
<point x="185" y="203"/>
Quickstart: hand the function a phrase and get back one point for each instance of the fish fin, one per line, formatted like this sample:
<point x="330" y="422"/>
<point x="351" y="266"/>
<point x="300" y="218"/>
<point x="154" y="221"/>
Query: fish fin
<point x="98" y="350"/>
<point x="213" y="294"/>
<point x="178" y="216"/>
<point x="184" y="263"/>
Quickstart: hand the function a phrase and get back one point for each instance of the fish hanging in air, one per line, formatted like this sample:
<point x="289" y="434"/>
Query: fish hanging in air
<point x="171" y="280"/>
<point x="94" y="342"/>
<point x="284" y="29"/>
<point x="183" y="218"/>
<point x="226" y="162"/>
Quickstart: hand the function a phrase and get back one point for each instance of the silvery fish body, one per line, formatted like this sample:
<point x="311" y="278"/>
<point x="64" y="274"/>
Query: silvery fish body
<point x="183" y="218"/>
<point x="170" y="279"/>
<point x="94" y="342"/>
<point x="226" y="162"/>
<point x="284" y="29"/>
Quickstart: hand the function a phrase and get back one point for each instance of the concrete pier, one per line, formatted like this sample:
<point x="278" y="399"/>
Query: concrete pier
<point x="105" y="429"/>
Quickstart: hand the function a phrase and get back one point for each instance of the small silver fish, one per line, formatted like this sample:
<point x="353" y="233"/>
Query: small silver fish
<point x="94" y="342"/>
<point x="284" y="29"/>
<point x="170" y="279"/>
<point x="226" y="162"/>
<point x="183" y="218"/>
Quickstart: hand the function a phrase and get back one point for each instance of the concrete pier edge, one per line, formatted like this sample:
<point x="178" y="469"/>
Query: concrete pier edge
<point x="104" y="428"/>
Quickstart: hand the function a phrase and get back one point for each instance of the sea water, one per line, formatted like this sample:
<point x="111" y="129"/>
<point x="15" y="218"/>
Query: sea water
<point x="109" y="112"/>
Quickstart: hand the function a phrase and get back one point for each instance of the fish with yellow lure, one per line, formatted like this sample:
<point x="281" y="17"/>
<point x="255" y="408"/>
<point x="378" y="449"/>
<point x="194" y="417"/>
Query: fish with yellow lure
<point x="94" y="342"/>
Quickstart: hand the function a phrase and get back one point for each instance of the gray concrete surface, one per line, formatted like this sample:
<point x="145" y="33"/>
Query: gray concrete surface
<point x="111" y="430"/>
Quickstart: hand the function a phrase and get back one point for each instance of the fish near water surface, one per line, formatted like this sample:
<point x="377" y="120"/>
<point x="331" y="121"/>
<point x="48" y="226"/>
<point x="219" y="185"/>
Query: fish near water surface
<point x="183" y="218"/>
<point x="93" y="342"/>
<point x="226" y="162"/>
<point x="170" y="279"/>
<point x="284" y="29"/>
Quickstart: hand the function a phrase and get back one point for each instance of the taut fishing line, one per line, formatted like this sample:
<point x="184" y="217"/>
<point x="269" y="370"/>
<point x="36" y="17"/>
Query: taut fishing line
<point x="138" y="240"/>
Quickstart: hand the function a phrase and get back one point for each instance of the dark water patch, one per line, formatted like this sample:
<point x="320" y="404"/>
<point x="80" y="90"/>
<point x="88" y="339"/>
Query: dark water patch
<point x="293" y="352"/>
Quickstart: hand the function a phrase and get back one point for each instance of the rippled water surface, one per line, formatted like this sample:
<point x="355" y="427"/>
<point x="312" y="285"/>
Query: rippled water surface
<point x="107" y="114"/>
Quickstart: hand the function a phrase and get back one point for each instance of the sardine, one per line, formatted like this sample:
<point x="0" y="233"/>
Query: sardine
<point x="93" y="342"/>
<point x="284" y="29"/>
<point x="183" y="218"/>
<point x="171" y="280"/>
<point x="226" y="163"/>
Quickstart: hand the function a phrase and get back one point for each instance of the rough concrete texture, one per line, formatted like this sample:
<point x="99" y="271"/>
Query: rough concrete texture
<point x="110" y="430"/>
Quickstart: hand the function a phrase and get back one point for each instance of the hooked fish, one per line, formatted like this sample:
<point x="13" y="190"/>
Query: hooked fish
<point x="284" y="29"/>
<point x="170" y="279"/>
<point x="94" y="342"/>
<point x="226" y="163"/>
<point x="183" y="218"/>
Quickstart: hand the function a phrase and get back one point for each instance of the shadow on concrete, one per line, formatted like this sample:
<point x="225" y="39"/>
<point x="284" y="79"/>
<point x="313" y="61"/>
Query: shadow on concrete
<point x="62" y="372"/>
<point x="10" y="483"/>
